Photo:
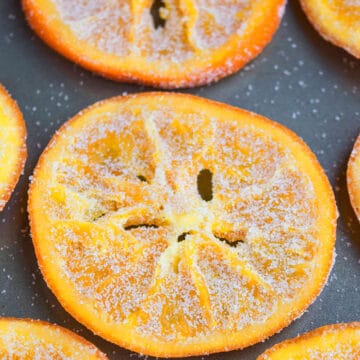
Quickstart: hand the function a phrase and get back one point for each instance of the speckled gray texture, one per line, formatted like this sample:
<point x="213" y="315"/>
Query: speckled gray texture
<point x="300" y="80"/>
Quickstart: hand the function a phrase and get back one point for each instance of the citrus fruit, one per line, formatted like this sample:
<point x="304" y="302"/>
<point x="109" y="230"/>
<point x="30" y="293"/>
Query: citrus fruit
<point x="169" y="43"/>
<point x="173" y="225"/>
<point x="353" y="177"/>
<point x="12" y="145"/>
<point x="28" y="339"/>
<point x="330" y="342"/>
<point x="337" y="21"/>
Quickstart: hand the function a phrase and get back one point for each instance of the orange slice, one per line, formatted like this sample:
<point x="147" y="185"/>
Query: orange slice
<point x="12" y="145"/>
<point x="330" y="342"/>
<point x="173" y="225"/>
<point x="201" y="40"/>
<point x="28" y="339"/>
<point x="353" y="177"/>
<point x="337" y="21"/>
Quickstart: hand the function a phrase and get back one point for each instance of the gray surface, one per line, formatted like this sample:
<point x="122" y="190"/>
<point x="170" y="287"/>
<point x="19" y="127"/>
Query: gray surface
<point x="299" y="80"/>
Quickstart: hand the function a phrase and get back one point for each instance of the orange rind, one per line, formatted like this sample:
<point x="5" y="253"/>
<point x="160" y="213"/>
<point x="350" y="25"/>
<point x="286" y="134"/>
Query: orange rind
<point x="12" y="145"/>
<point x="330" y="342"/>
<point x="337" y="21"/>
<point x="202" y="41"/>
<point x="353" y="177"/>
<point x="28" y="339"/>
<point x="174" y="226"/>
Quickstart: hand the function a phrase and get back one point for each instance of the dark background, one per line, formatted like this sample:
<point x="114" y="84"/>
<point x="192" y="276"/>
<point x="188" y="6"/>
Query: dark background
<point x="300" y="80"/>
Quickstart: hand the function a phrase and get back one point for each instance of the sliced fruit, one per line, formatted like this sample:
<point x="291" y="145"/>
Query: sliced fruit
<point x="353" y="177"/>
<point x="337" y="21"/>
<point x="12" y="145"/>
<point x="175" y="226"/>
<point x="163" y="43"/>
<point x="330" y="342"/>
<point x="28" y="339"/>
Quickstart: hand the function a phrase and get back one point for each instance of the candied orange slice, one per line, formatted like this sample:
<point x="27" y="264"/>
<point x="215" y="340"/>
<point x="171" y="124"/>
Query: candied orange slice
<point x="353" y="177"/>
<point x="330" y="342"/>
<point x="337" y="21"/>
<point x="168" y="43"/>
<point x="12" y="145"/>
<point x="28" y="339"/>
<point x="173" y="225"/>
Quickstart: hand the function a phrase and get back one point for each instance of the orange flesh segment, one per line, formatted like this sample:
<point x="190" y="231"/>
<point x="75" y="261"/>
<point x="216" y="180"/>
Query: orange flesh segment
<point x="338" y="21"/>
<point x="27" y="339"/>
<point x="12" y="145"/>
<point x="353" y="177"/>
<point x="201" y="40"/>
<point x="160" y="270"/>
<point x="330" y="342"/>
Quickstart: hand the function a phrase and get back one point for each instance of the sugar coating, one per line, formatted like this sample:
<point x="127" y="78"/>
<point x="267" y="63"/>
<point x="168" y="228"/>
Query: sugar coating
<point x="5" y="147"/>
<point x="331" y="342"/>
<point x="353" y="177"/>
<point x="338" y="352"/>
<point x="11" y="147"/>
<point x="3" y="186"/>
<point x="105" y="23"/>
<point x="23" y="341"/>
<point x="167" y="44"/>
<point x="345" y="7"/>
<point x="139" y="166"/>
<point x="337" y="21"/>
<point x="341" y="351"/>
<point x="347" y="13"/>
<point x="121" y="27"/>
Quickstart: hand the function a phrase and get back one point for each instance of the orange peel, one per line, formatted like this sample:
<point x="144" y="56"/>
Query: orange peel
<point x="336" y="21"/>
<point x="202" y="41"/>
<point x="353" y="177"/>
<point x="174" y="226"/>
<point x="335" y="342"/>
<point x="29" y="339"/>
<point x="12" y="145"/>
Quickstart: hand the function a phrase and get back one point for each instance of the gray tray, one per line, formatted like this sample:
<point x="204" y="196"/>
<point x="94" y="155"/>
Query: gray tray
<point x="299" y="80"/>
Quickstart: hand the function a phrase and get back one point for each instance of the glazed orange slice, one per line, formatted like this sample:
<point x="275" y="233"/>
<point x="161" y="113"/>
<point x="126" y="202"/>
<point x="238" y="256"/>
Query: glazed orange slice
<point x="330" y="342"/>
<point x="12" y="145"/>
<point x="337" y="21"/>
<point x="199" y="41"/>
<point x="173" y="225"/>
<point x="353" y="177"/>
<point x="28" y="339"/>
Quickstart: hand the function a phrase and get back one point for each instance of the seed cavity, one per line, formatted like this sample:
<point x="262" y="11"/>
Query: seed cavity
<point x="231" y="243"/>
<point x="204" y="184"/>
<point x="155" y="11"/>
<point x="232" y="237"/>
<point x="142" y="178"/>
<point x="182" y="237"/>
<point x="98" y="216"/>
<point x="132" y="227"/>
